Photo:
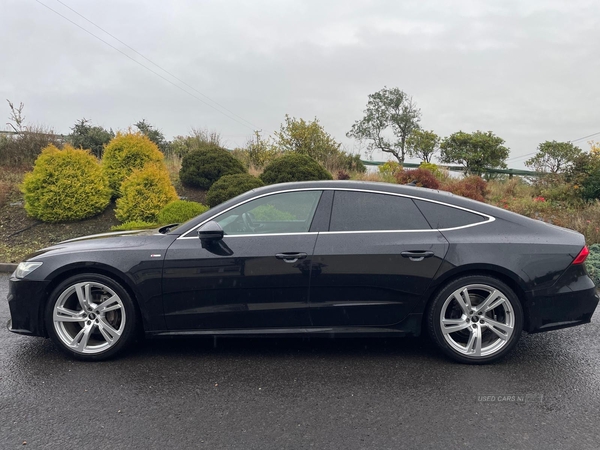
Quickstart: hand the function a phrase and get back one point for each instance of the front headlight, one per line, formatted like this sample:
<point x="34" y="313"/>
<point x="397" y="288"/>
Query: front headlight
<point x="25" y="268"/>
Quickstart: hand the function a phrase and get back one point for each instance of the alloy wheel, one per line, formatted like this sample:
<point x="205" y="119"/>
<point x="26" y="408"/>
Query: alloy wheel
<point x="89" y="317"/>
<point x="477" y="320"/>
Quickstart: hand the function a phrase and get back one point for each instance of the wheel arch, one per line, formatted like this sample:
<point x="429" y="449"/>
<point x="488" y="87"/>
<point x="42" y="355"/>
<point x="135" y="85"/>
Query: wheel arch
<point x="509" y="278"/>
<point x="68" y="271"/>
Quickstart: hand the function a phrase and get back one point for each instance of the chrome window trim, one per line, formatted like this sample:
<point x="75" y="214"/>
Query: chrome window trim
<point x="490" y="219"/>
<point x="300" y="233"/>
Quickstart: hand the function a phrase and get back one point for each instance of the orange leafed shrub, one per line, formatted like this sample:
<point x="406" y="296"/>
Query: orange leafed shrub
<point x="473" y="187"/>
<point x="422" y="177"/>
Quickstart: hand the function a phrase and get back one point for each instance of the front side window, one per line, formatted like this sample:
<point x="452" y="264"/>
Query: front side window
<point x="288" y="212"/>
<point x="365" y="211"/>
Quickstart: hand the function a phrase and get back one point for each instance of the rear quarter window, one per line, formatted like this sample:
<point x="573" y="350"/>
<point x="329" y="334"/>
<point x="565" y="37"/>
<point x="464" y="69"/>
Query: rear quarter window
<point x="441" y="216"/>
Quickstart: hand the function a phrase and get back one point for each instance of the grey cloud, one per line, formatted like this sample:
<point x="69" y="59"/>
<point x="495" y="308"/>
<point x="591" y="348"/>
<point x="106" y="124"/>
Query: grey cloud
<point x="526" y="70"/>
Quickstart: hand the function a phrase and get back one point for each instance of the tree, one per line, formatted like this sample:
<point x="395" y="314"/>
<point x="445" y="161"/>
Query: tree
<point x="422" y="144"/>
<point x="311" y="139"/>
<point x="388" y="110"/>
<point x="154" y="135"/>
<point x="260" y="151"/>
<point x="554" y="157"/>
<point x="306" y="138"/>
<point x="16" y="116"/>
<point x="84" y="135"/>
<point x="474" y="151"/>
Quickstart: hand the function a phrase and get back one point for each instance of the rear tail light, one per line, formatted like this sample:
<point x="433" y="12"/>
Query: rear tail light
<point x="583" y="254"/>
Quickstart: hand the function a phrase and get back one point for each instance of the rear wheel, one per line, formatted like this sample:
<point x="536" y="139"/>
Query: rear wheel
<point x="91" y="317"/>
<point x="475" y="319"/>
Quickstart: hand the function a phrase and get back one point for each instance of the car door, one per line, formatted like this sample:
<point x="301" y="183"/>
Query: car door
<point x="376" y="261"/>
<point x="257" y="276"/>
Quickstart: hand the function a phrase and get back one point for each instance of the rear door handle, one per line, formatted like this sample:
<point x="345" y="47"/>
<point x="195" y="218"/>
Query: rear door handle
<point x="417" y="255"/>
<point x="291" y="257"/>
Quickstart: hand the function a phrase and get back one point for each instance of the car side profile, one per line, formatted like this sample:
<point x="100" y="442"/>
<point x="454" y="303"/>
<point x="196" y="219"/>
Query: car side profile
<point x="327" y="258"/>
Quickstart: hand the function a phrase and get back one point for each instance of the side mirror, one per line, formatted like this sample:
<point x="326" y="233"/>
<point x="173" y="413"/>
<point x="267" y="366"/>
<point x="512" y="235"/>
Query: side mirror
<point x="209" y="233"/>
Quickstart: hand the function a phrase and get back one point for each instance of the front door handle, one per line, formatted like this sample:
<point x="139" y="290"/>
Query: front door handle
<point x="417" y="255"/>
<point x="291" y="257"/>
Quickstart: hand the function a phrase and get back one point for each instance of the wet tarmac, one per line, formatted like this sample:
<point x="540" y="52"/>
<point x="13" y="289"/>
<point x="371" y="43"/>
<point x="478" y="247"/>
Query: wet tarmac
<point x="294" y="393"/>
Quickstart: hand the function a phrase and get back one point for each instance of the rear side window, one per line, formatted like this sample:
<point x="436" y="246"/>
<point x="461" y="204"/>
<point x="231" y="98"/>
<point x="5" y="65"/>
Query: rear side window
<point x="441" y="216"/>
<point x="364" y="211"/>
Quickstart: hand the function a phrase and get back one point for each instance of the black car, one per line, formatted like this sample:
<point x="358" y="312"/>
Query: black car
<point x="334" y="258"/>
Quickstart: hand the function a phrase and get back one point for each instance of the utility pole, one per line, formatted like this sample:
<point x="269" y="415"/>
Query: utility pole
<point x="257" y="134"/>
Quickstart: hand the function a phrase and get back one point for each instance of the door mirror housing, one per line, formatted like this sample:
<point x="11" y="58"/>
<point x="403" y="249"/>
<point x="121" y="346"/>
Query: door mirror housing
<point x="210" y="232"/>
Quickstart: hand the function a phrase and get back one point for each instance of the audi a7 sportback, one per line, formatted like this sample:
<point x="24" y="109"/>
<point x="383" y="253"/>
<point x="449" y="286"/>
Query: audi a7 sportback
<point x="333" y="258"/>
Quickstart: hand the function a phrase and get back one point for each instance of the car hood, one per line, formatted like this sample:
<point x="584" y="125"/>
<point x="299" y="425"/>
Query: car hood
<point x="111" y="235"/>
<point x="106" y="241"/>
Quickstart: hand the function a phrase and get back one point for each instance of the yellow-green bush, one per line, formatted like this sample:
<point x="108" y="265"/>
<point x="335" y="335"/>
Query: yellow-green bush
<point x="65" y="185"/>
<point x="180" y="211"/>
<point x="389" y="170"/>
<point x="134" y="225"/>
<point x="144" y="193"/>
<point x="433" y="168"/>
<point x="125" y="153"/>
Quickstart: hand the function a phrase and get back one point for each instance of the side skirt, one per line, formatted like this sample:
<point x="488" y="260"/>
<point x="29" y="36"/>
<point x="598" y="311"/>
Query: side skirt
<point x="411" y="326"/>
<point x="332" y="332"/>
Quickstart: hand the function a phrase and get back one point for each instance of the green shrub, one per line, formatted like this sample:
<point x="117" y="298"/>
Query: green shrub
<point x="421" y="177"/>
<point x="590" y="187"/>
<point x="294" y="167"/>
<point x="144" y="193"/>
<point x="201" y="168"/>
<point x="593" y="263"/>
<point x="126" y="153"/>
<point x="65" y="185"/>
<point x="231" y="186"/>
<point x="134" y="225"/>
<point x="180" y="211"/>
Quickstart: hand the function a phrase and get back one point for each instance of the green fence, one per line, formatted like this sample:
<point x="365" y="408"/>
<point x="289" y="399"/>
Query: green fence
<point x="509" y="172"/>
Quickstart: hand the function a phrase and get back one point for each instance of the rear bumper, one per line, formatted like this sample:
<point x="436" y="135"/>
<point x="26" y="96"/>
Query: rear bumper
<point x="563" y="310"/>
<point x="25" y="300"/>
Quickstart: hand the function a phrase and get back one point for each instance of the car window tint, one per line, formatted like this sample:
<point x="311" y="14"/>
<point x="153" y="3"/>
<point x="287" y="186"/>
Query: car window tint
<point x="289" y="212"/>
<point x="441" y="216"/>
<point x="363" y="211"/>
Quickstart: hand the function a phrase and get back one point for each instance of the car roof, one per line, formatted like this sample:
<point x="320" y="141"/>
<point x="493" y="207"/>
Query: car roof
<point x="411" y="191"/>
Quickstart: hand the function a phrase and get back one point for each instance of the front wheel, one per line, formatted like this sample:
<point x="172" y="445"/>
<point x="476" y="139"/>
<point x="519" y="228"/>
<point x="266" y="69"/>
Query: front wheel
<point x="475" y="319"/>
<point x="91" y="317"/>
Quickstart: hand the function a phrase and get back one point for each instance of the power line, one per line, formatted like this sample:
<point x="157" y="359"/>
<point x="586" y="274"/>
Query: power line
<point x="155" y="64"/>
<point x="585" y="137"/>
<point x="145" y="67"/>
<point x="533" y="153"/>
<point x="519" y="157"/>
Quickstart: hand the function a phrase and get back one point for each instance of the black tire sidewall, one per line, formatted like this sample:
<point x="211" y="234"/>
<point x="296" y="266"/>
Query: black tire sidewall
<point x="435" y="309"/>
<point x="130" y="313"/>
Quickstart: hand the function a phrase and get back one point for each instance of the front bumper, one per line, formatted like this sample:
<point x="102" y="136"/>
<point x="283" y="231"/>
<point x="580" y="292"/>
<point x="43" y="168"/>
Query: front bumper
<point x="563" y="310"/>
<point x="25" y="301"/>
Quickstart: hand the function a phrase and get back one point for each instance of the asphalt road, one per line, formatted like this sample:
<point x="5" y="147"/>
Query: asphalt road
<point x="286" y="393"/>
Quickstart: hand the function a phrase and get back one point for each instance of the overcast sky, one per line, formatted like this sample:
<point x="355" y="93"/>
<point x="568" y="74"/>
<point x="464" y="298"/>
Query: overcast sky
<point x="527" y="70"/>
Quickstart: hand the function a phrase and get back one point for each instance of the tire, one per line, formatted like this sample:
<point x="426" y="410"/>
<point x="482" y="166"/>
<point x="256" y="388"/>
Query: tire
<point x="91" y="317"/>
<point x="476" y="326"/>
